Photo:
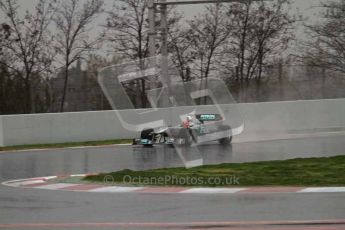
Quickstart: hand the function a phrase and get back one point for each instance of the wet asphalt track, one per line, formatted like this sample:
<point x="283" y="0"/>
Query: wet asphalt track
<point x="39" y="206"/>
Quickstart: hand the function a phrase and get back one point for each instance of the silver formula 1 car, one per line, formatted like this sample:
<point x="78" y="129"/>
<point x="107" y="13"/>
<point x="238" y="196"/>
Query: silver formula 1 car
<point x="205" y="128"/>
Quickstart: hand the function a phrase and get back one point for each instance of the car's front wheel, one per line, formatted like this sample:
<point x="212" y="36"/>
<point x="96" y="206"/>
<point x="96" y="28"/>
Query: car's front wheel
<point x="146" y="134"/>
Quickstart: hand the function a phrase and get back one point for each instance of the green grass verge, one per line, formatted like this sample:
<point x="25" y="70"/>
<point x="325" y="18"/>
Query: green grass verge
<point x="296" y="172"/>
<point x="64" y="145"/>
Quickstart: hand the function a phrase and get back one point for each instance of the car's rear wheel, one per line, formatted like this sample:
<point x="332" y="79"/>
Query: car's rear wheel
<point x="226" y="140"/>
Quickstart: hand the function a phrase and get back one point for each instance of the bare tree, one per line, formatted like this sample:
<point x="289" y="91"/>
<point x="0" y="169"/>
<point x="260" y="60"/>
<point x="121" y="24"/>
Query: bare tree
<point x="127" y="34"/>
<point x="238" y="38"/>
<point x="26" y="51"/>
<point x="241" y="33"/>
<point x="272" y="34"/>
<point x="96" y="98"/>
<point x="72" y="40"/>
<point x="206" y="35"/>
<point x="325" y="47"/>
<point x="5" y="33"/>
<point x="179" y="46"/>
<point x="127" y="28"/>
<point x="261" y="31"/>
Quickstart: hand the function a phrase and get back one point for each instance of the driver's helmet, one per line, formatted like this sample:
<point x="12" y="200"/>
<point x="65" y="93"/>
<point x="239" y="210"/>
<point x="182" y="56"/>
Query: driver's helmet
<point x="189" y="118"/>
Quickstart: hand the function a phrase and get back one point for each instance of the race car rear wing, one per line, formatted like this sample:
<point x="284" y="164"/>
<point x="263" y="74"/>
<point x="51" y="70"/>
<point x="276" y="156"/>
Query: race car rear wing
<point x="209" y="117"/>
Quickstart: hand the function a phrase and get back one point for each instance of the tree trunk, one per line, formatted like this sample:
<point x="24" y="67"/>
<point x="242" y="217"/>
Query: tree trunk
<point x="323" y="73"/>
<point x="64" y="88"/>
<point x="143" y="93"/>
<point x="32" y="97"/>
<point x="260" y="63"/>
<point x="280" y="77"/>
<point x="28" y="96"/>
<point x="243" y="40"/>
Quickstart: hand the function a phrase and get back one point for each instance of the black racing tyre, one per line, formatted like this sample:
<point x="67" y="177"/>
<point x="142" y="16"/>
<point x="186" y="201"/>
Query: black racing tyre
<point x="226" y="140"/>
<point x="146" y="134"/>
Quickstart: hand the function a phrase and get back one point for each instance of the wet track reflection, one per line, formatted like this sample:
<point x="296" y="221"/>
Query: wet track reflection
<point x="35" y="163"/>
<point x="166" y="157"/>
<point x="19" y="206"/>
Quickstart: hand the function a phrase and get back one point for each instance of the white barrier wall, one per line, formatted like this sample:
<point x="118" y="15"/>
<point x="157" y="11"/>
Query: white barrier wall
<point x="263" y="121"/>
<point x="280" y="120"/>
